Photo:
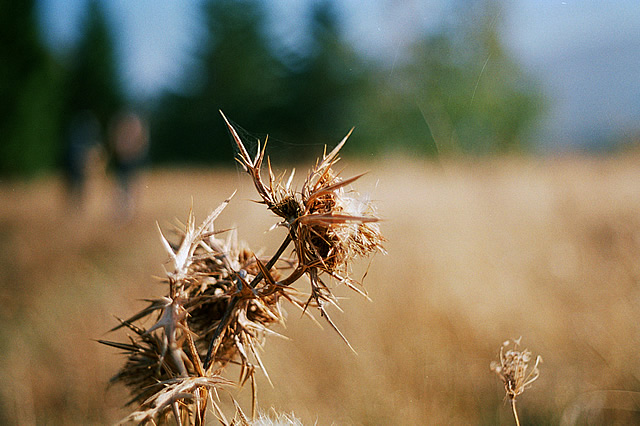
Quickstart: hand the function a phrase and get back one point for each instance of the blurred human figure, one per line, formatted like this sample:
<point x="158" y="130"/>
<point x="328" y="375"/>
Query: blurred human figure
<point x="130" y="141"/>
<point x="83" y="140"/>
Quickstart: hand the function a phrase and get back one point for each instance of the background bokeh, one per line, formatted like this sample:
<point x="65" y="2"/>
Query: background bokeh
<point x="501" y="144"/>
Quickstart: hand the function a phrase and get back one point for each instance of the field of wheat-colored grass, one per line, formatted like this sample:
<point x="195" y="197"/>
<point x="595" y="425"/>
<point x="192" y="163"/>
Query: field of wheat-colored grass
<point x="478" y="252"/>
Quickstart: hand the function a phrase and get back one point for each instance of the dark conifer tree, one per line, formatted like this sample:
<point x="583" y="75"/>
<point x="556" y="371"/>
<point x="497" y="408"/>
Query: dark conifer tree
<point x="30" y="89"/>
<point x="238" y="75"/>
<point x="93" y="81"/>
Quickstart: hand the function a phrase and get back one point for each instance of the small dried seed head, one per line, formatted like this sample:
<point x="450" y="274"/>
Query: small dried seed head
<point x="513" y="368"/>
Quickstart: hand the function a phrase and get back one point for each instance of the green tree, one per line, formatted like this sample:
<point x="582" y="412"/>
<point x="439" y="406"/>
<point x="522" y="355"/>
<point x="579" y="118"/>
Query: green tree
<point x="324" y="85"/>
<point x="471" y="92"/>
<point x="30" y="87"/>
<point x="93" y="83"/>
<point x="457" y="91"/>
<point x="298" y="99"/>
<point x="239" y="75"/>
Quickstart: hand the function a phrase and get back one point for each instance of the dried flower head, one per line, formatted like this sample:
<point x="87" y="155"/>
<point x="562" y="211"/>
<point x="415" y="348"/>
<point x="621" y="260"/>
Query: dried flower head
<point x="328" y="223"/>
<point x="335" y="224"/>
<point x="513" y="368"/>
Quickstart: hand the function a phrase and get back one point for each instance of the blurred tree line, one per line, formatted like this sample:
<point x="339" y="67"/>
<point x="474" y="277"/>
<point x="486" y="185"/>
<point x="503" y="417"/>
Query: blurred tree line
<point x="43" y="94"/>
<point x="455" y="90"/>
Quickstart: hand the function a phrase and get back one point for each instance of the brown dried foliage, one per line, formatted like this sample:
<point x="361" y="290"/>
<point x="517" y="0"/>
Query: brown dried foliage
<point x="222" y="299"/>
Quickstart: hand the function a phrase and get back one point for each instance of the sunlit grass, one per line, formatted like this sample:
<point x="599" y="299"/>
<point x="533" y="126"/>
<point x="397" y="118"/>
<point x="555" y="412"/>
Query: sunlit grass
<point x="478" y="252"/>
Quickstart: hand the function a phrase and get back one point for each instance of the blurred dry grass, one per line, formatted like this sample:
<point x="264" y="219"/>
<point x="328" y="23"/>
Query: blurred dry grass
<point x="478" y="252"/>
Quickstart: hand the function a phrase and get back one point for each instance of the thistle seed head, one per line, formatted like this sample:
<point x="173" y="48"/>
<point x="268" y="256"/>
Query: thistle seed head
<point x="337" y="224"/>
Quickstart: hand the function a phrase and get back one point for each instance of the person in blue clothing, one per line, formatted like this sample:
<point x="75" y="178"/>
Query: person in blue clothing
<point x="83" y="138"/>
<point x="130" y="142"/>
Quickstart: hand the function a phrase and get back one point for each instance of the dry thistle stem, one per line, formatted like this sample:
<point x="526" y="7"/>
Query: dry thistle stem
<point x="222" y="299"/>
<point x="513" y="370"/>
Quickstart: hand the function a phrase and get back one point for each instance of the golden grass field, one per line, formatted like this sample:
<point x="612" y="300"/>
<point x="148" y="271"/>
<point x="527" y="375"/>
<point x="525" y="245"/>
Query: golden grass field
<point x="478" y="252"/>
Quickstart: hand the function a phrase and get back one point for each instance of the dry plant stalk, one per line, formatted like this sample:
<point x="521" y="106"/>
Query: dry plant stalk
<point x="222" y="299"/>
<point x="513" y="370"/>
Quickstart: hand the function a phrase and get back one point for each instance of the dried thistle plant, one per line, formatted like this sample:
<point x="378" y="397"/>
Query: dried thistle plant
<point x="222" y="299"/>
<point x="513" y="370"/>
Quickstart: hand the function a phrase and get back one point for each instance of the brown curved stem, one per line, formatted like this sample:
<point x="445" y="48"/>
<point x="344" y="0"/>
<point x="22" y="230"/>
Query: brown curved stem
<point x="515" y="412"/>
<point x="273" y="260"/>
<point x="295" y="275"/>
<point x="217" y="336"/>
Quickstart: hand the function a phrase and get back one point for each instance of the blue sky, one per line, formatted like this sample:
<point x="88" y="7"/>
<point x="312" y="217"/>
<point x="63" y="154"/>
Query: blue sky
<point x="586" y="53"/>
